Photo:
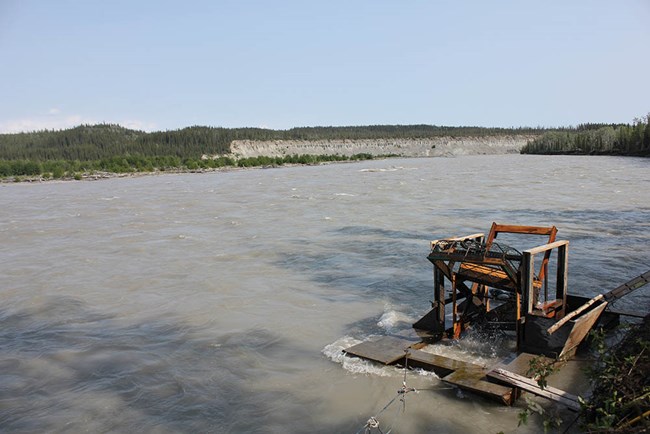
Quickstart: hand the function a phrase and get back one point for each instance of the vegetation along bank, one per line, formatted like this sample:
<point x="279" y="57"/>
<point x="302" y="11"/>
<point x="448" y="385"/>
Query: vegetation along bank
<point x="89" y="150"/>
<point x="596" y="139"/>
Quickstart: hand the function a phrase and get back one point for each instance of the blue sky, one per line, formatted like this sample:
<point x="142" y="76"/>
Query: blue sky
<point x="158" y="65"/>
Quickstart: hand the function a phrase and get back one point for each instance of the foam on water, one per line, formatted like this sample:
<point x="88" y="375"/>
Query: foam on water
<point x="394" y="320"/>
<point x="387" y="169"/>
<point x="355" y="365"/>
<point x="475" y="347"/>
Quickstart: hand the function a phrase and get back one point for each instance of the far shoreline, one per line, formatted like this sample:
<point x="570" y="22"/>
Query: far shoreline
<point x="102" y="175"/>
<point x="105" y="175"/>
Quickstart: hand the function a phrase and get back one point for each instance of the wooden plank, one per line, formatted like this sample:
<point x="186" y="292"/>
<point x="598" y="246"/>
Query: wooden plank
<point x="529" y="385"/>
<point x="441" y="365"/>
<point x="468" y="376"/>
<point x="463" y="256"/>
<point x="517" y="229"/>
<point x="487" y="275"/>
<point x="477" y="236"/>
<point x="628" y="287"/>
<point x="387" y="349"/>
<point x="581" y="328"/>
<point x="552" y="329"/>
<point x="562" y="278"/>
<point x="474" y="379"/>
<point x="521" y="364"/>
<point x="615" y="294"/>
<point x="527" y="281"/>
<point x="546" y="247"/>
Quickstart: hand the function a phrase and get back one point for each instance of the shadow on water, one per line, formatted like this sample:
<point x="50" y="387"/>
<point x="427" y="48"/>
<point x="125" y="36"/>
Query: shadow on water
<point x="365" y="261"/>
<point x="67" y="368"/>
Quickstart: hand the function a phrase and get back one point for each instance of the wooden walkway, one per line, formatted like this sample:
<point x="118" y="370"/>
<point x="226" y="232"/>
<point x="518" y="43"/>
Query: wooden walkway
<point x="390" y="350"/>
<point x="502" y="383"/>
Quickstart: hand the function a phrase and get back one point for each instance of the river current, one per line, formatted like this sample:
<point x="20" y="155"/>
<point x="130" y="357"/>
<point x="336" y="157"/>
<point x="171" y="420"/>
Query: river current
<point x="220" y="302"/>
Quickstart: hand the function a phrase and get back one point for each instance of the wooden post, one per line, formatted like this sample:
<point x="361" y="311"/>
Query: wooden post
<point x="527" y="296"/>
<point x="455" y="326"/>
<point x="439" y="296"/>
<point x="527" y="277"/>
<point x="562" y="277"/>
<point x="519" y="326"/>
<point x="484" y="290"/>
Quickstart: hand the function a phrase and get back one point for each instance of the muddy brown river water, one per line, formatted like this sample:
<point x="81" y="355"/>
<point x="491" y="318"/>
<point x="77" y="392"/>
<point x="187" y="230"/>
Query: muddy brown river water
<point x="221" y="302"/>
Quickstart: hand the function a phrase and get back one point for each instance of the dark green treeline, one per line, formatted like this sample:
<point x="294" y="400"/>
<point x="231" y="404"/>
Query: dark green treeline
<point x="112" y="148"/>
<point x="599" y="139"/>
<point x="93" y="142"/>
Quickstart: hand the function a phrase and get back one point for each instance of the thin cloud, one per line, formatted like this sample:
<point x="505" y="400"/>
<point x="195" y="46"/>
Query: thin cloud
<point x="39" y="123"/>
<point x="54" y="120"/>
<point x="138" y="125"/>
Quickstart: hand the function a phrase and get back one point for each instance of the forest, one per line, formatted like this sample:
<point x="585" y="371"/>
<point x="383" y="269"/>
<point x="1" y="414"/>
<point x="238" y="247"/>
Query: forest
<point x="596" y="139"/>
<point x="112" y="148"/>
<point x="93" y="142"/>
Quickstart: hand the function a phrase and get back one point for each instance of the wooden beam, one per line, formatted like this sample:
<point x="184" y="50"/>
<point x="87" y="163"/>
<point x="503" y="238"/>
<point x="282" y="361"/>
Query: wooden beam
<point x="567" y="399"/>
<point x="580" y="330"/>
<point x="479" y="236"/>
<point x="552" y="329"/>
<point x="517" y="229"/>
<point x="475" y="380"/>
<point x="545" y="247"/>
<point x="628" y="287"/>
<point x="562" y="277"/>
<point x="527" y="278"/>
<point x="439" y="296"/>
<point x="441" y="365"/>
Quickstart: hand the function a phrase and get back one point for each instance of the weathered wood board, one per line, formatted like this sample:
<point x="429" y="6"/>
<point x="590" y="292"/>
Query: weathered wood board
<point x="580" y="329"/>
<point x="521" y="364"/>
<point x="465" y="375"/>
<point x="529" y="385"/>
<point x="475" y="380"/>
<point x="441" y="365"/>
<point x="387" y="350"/>
<point x="468" y="376"/>
<point x="495" y="278"/>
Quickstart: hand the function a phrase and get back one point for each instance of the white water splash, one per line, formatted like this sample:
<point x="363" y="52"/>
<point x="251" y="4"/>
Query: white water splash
<point x="474" y="347"/>
<point x="393" y="320"/>
<point x="355" y="365"/>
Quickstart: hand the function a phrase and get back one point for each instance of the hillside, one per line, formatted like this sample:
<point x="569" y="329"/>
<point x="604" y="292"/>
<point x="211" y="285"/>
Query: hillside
<point x="443" y="146"/>
<point x="94" y="142"/>
<point x="88" y="149"/>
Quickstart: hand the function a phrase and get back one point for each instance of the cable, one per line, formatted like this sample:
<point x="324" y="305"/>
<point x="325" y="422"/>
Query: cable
<point x="373" y="421"/>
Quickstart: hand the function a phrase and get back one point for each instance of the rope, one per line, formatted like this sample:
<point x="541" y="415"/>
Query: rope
<point x="373" y="422"/>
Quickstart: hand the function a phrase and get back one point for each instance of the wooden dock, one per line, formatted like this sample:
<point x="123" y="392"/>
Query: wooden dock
<point x="390" y="350"/>
<point x="501" y="383"/>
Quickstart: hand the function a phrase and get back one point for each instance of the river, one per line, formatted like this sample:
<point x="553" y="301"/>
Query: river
<point x="220" y="302"/>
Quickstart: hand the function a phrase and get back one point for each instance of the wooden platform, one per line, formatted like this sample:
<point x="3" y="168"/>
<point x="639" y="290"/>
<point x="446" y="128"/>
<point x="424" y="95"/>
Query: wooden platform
<point x="567" y="399"/>
<point x="388" y="350"/>
<point x="468" y="376"/>
<point x="521" y="364"/>
<point x="441" y="365"/>
<point x="516" y="374"/>
<point x="477" y="381"/>
<point x="489" y="275"/>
